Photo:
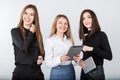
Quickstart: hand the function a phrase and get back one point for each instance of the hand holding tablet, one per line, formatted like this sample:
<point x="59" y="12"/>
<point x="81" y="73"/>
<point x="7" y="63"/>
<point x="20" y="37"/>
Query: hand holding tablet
<point x="90" y="65"/>
<point x="74" y="50"/>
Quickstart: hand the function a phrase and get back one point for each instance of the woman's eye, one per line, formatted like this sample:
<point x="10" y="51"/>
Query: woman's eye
<point x="60" y="22"/>
<point x="25" y="13"/>
<point x="65" y="24"/>
<point x="31" y="14"/>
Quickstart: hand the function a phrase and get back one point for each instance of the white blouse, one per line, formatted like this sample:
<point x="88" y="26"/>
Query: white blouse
<point x="54" y="48"/>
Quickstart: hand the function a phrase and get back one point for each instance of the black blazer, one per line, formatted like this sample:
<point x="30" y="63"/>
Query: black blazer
<point x="26" y="51"/>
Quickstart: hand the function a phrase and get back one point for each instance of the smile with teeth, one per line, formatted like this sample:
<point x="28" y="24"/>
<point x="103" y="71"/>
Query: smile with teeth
<point x="27" y="20"/>
<point x="62" y="28"/>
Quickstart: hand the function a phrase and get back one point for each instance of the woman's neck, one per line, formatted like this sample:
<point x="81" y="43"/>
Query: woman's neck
<point x="61" y="35"/>
<point x="26" y="26"/>
<point x="89" y="29"/>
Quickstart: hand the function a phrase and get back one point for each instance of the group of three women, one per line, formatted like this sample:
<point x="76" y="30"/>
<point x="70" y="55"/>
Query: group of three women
<point x="29" y="50"/>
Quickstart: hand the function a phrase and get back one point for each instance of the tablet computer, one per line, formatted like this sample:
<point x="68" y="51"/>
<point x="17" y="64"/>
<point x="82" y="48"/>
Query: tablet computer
<point x="74" y="50"/>
<point x="90" y="65"/>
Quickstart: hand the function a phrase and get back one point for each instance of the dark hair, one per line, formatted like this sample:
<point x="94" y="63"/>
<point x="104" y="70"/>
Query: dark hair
<point x="95" y="27"/>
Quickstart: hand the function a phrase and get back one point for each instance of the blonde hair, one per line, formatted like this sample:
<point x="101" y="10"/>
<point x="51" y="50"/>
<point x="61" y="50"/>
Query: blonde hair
<point x="37" y="26"/>
<point x="67" y="33"/>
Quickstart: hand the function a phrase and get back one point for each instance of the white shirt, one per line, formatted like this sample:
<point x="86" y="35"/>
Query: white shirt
<point x="54" y="48"/>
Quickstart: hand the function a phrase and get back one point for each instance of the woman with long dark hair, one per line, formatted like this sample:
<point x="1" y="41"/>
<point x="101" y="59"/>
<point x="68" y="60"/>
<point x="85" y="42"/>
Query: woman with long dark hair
<point x="95" y="45"/>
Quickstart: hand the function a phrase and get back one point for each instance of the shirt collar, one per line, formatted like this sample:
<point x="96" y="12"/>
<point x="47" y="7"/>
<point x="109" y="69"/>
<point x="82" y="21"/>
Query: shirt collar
<point x="65" y="37"/>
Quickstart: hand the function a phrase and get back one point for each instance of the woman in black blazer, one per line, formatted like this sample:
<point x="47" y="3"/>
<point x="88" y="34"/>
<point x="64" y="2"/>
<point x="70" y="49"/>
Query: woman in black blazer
<point x="95" y="45"/>
<point x="28" y="46"/>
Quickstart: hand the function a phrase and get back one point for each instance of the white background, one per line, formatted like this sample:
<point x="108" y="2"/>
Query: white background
<point x="107" y="11"/>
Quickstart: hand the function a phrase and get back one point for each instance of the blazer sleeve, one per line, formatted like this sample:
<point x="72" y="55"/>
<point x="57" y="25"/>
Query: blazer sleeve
<point x="19" y="41"/>
<point x="105" y="50"/>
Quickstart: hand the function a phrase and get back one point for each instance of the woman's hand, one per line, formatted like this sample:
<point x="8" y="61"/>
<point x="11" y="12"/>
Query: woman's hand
<point x="32" y="29"/>
<point x="82" y="64"/>
<point x="64" y="58"/>
<point x="87" y="48"/>
<point x="39" y="60"/>
<point x="76" y="58"/>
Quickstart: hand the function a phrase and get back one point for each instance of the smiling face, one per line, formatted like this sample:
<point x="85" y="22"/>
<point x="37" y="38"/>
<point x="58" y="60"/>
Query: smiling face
<point x="87" y="20"/>
<point x="62" y="25"/>
<point x="28" y="17"/>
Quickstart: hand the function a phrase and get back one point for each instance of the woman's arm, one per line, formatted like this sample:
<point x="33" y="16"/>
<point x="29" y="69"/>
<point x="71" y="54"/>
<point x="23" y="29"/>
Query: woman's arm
<point x="18" y="40"/>
<point x="104" y="51"/>
<point x="50" y="59"/>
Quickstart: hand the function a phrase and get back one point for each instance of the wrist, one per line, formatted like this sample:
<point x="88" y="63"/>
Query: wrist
<point x="60" y="59"/>
<point x="91" y="48"/>
<point x="78" y="62"/>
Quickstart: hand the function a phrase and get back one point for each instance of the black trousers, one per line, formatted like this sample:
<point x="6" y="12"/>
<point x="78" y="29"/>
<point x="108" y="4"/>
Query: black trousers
<point x="27" y="73"/>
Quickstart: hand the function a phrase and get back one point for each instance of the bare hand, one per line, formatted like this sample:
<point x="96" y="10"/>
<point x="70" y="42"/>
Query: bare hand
<point x="39" y="60"/>
<point x="87" y="48"/>
<point x="32" y="29"/>
<point x="82" y="64"/>
<point x="64" y="58"/>
<point x="76" y="57"/>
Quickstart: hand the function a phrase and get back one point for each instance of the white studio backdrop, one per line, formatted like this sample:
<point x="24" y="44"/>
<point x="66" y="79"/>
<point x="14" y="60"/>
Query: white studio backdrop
<point x="106" y="10"/>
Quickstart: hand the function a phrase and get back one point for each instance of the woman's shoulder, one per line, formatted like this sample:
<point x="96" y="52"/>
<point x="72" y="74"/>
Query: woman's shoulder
<point x="15" y="29"/>
<point x="101" y="34"/>
<point x="53" y="37"/>
<point x="50" y="39"/>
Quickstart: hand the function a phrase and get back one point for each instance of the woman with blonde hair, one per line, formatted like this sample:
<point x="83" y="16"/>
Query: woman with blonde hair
<point x="56" y="48"/>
